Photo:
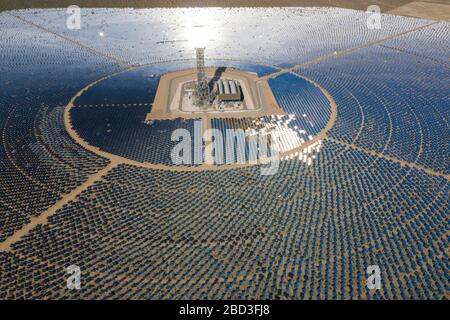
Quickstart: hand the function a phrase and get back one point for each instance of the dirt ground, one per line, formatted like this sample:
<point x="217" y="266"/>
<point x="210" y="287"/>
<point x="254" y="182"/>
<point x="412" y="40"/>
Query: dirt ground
<point x="426" y="10"/>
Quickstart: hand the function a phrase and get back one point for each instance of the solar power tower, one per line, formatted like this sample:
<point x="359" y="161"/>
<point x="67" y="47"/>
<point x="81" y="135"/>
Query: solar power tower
<point x="202" y="87"/>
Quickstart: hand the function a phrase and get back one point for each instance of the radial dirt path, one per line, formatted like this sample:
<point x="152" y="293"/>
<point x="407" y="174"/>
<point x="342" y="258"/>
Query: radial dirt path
<point x="43" y="217"/>
<point x="403" y="163"/>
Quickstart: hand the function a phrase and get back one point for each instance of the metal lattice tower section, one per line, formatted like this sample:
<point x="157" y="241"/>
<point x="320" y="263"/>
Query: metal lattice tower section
<point x="202" y="88"/>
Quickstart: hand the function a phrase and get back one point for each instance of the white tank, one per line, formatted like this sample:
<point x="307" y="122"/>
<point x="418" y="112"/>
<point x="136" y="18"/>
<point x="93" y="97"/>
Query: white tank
<point x="226" y="86"/>
<point x="220" y="86"/>
<point x="233" y="87"/>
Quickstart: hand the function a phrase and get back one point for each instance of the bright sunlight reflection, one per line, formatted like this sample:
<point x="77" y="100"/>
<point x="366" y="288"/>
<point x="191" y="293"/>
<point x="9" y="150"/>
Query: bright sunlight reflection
<point x="201" y="28"/>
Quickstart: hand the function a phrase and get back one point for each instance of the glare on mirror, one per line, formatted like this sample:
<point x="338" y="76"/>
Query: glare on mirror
<point x="200" y="27"/>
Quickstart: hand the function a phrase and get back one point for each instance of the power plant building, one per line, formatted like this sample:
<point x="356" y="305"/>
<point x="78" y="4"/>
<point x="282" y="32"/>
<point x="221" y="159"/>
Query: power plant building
<point x="228" y="90"/>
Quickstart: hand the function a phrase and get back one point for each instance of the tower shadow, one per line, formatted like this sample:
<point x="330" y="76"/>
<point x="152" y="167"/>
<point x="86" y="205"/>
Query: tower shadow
<point x="216" y="77"/>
